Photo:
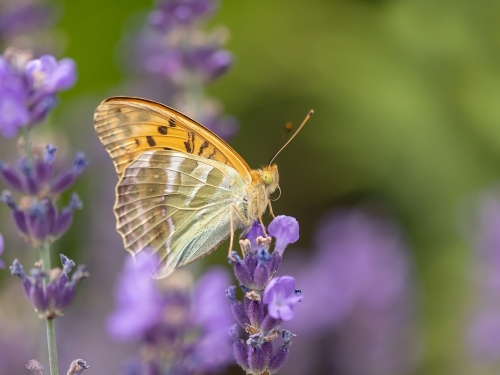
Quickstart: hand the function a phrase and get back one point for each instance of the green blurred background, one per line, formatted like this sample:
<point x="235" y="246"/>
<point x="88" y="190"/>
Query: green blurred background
<point x="406" y="98"/>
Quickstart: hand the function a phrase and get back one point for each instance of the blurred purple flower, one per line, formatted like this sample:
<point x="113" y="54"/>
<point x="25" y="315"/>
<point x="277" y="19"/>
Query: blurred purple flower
<point x="171" y="13"/>
<point x="24" y="16"/>
<point x="28" y="88"/>
<point x="280" y="296"/>
<point x="175" y="48"/>
<point x="171" y="317"/>
<point x="139" y="303"/>
<point x="359" y="299"/>
<point x="47" y="75"/>
<point x="51" y="293"/>
<point x="483" y="337"/>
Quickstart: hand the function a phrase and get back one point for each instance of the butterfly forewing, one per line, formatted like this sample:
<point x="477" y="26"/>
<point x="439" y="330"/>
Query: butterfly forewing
<point x="127" y="127"/>
<point x="176" y="204"/>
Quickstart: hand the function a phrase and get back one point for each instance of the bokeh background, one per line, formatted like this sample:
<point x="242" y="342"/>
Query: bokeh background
<point x="398" y="165"/>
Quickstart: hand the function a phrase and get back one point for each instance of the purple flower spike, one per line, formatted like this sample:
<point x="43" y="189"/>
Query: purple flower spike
<point x="281" y="354"/>
<point x="286" y="230"/>
<point x="2" y="244"/>
<point x="280" y="297"/>
<point x="139" y="302"/>
<point x="53" y="297"/>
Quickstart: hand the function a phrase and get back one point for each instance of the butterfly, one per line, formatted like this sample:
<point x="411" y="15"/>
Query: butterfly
<point x="182" y="190"/>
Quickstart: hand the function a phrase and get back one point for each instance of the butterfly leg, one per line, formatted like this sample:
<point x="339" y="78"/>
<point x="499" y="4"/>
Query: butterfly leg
<point x="259" y="213"/>
<point x="231" y="225"/>
<point x="271" y="210"/>
<point x="242" y="218"/>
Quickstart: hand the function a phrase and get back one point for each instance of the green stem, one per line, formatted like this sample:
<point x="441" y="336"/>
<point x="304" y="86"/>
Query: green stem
<point x="27" y="145"/>
<point x="51" y="329"/>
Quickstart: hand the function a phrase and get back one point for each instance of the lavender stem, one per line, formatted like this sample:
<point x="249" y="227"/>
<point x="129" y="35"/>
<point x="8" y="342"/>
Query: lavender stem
<point x="50" y="323"/>
<point x="27" y="144"/>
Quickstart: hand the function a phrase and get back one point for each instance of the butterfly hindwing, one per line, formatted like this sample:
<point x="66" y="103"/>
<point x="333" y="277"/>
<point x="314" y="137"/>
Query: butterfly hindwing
<point x="128" y="127"/>
<point x="176" y="204"/>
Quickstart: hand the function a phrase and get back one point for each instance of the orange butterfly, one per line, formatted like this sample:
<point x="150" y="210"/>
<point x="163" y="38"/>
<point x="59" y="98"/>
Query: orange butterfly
<point x="182" y="190"/>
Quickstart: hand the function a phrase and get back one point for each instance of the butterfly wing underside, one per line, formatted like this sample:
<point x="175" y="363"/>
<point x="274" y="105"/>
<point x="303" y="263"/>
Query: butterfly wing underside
<point x="127" y="127"/>
<point x="176" y="205"/>
<point x="177" y="180"/>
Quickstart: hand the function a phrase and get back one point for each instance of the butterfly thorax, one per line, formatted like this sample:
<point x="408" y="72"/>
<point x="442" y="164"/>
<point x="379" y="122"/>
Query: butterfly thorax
<point x="264" y="182"/>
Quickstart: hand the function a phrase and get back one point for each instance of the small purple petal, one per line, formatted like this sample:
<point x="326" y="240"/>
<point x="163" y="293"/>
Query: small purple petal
<point x="280" y="297"/>
<point x="286" y="230"/>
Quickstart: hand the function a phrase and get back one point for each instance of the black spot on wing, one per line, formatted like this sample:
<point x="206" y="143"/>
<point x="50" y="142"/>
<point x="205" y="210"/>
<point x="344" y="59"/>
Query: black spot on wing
<point x="137" y="142"/>
<point x="189" y="144"/>
<point x="171" y="122"/>
<point x="203" y="147"/>
<point x="162" y="130"/>
<point x="151" y="141"/>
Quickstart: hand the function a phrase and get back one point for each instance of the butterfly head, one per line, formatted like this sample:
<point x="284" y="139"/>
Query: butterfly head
<point x="270" y="178"/>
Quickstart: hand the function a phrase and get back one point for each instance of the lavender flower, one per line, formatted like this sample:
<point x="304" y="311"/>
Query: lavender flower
<point x="267" y="301"/>
<point x="172" y="317"/>
<point x="36" y="216"/>
<point x="171" y="13"/>
<point x="175" y="52"/>
<point x="360" y="299"/>
<point x="27" y="24"/>
<point x="50" y="294"/>
<point x="28" y="88"/>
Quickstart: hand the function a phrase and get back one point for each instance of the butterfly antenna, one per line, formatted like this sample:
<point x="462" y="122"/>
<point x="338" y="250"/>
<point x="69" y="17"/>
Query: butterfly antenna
<point x="288" y="128"/>
<point x="311" y="112"/>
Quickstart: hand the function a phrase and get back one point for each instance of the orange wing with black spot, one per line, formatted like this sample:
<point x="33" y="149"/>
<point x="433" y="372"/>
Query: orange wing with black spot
<point x="128" y="127"/>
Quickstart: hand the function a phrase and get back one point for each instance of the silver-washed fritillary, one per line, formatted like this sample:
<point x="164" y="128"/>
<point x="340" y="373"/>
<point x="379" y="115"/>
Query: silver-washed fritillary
<point x="182" y="190"/>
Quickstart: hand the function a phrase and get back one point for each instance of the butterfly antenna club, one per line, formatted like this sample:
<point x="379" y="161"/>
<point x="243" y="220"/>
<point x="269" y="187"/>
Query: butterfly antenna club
<point x="309" y="114"/>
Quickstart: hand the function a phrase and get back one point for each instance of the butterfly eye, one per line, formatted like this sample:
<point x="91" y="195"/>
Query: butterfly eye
<point x="267" y="178"/>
